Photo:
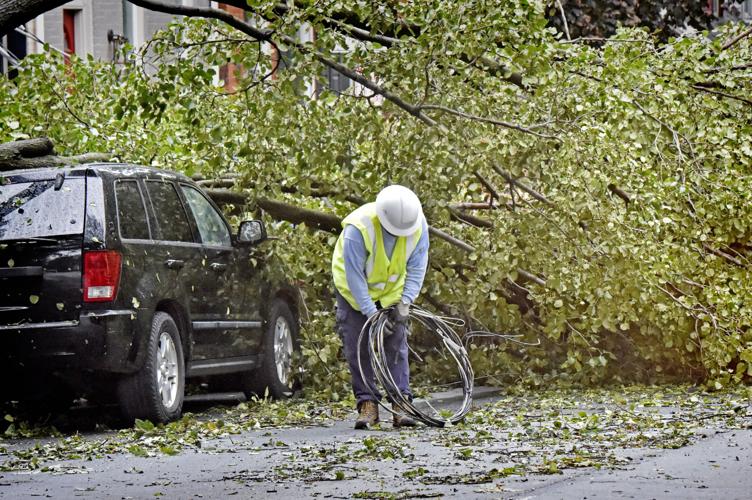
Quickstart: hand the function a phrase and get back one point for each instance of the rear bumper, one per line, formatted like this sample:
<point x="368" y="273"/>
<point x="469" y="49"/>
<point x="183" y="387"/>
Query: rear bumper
<point x="100" y="341"/>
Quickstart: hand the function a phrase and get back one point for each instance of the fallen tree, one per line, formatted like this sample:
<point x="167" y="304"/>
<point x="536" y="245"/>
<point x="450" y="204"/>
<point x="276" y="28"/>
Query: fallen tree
<point x="597" y="204"/>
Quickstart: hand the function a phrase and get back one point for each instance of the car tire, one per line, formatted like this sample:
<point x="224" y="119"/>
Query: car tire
<point x="156" y="392"/>
<point x="276" y="377"/>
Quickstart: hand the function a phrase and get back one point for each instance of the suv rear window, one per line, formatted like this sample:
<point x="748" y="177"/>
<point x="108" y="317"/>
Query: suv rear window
<point x="131" y="211"/>
<point x="37" y="210"/>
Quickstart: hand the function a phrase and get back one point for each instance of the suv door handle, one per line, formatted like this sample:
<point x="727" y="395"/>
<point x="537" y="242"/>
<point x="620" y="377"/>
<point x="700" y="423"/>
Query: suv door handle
<point x="174" y="263"/>
<point x="217" y="267"/>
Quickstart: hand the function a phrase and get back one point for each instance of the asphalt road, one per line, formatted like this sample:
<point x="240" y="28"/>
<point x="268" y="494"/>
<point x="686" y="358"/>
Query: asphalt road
<point x="335" y="461"/>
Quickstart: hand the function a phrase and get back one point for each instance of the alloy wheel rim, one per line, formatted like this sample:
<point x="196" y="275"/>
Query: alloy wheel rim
<point x="167" y="370"/>
<point x="283" y="349"/>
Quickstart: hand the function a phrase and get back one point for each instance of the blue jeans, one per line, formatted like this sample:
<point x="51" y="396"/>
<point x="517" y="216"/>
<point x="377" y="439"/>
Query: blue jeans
<point x="349" y="324"/>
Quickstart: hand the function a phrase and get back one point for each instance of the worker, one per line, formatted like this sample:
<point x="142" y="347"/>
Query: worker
<point x="380" y="261"/>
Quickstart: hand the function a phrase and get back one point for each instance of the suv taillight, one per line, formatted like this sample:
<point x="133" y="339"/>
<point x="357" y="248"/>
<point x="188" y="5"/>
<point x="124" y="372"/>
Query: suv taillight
<point x="101" y="275"/>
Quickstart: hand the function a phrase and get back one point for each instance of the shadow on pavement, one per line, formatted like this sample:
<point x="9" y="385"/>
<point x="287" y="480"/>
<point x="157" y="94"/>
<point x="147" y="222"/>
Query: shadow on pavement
<point x="83" y="416"/>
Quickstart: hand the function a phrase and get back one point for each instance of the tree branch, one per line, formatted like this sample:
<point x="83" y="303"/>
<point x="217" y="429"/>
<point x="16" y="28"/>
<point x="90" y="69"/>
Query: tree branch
<point x="487" y="184"/>
<point x="531" y="277"/>
<point x="492" y="121"/>
<point x="267" y="36"/>
<point x="723" y="255"/>
<point x="209" y="13"/>
<point x="721" y="94"/>
<point x="535" y="194"/>
<point x="388" y="35"/>
<point x="495" y="68"/>
<point x="620" y="193"/>
<point x="55" y="161"/>
<point x="451" y="239"/>
<point x="298" y="215"/>
<point x="478" y="206"/>
<point x="469" y="219"/>
<point x="320" y="220"/>
<point x="27" y="148"/>
<point x="736" y="39"/>
<point x="17" y="12"/>
<point x="360" y="34"/>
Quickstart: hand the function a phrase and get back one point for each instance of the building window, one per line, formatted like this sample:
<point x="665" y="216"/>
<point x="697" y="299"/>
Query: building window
<point x="731" y="9"/>
<point x="12" y="49"/>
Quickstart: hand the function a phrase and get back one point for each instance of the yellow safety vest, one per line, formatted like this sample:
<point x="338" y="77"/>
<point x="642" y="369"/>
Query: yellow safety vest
<point x="385" y="277"/>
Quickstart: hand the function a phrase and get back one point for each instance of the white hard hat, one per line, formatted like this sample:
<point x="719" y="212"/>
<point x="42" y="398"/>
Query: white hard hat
<point x="399" y="210"/>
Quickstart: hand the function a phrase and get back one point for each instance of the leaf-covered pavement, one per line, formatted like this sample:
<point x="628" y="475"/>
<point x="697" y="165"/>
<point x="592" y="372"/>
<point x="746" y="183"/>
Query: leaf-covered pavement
<point x="301" y="443"/>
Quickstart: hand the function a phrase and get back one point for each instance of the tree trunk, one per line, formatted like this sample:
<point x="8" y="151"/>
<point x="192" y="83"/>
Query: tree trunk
<point x="40" y="153"/>
<point x="29" y="148"/>
<point x="54" y="161"/>
<point x="14" y="13"/>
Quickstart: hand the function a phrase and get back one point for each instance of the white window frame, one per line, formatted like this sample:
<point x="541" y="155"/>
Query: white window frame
<point x="35" y="27"/>
<point x="137" y="37"/>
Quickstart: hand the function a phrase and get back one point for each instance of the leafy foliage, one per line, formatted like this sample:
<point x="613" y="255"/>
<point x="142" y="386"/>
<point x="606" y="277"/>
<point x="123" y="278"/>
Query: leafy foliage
<point x="635" y="268"/>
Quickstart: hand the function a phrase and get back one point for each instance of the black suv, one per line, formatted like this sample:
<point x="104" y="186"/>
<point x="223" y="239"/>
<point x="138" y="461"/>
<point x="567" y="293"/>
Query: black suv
<point x="128" y="278"/>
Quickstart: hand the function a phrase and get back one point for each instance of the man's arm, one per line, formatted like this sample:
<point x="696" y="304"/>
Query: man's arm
<point x="355" y="269"/>
<point x="416" y="268"/>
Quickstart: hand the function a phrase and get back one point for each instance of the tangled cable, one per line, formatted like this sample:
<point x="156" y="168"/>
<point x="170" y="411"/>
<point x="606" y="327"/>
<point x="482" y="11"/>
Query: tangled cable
<point x="373" y="333"/>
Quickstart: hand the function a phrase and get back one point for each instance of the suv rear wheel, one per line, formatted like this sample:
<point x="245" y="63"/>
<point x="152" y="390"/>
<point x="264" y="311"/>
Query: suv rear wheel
<point x="156" y="392"/>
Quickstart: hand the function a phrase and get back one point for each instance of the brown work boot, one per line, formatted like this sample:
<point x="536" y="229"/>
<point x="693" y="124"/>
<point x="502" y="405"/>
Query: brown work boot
<point x="400" y="418"/>
<point x="368" y="414"/>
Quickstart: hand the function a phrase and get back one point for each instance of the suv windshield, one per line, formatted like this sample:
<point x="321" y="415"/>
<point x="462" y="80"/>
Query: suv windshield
<point x="38" y="210"/>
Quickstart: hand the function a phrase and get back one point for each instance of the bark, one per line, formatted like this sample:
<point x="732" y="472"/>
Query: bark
<point x="531" y="277"/>
<point x="320" y="220"/>
<point x="227" y="197"/>
<point x="30" y="148"/>
<point x="279" y="210"/>
<point x="508" y="177"/>
<point x="54" y="161"/>
<point x="469" y="205"/>
<point x="493" y="191"/>
<point x="718" y="253"/>
<point x="451" y="239"/>
<point x="14" y="13"/>
<point x="705" y="88"/>
<point x="737" y="39"/>
<point x="315" y="191"/>
<point x="40" y="153"/>
<point x="297" y="215"/>
<point x="620" y="193"/>
<point x="469" y="219"/>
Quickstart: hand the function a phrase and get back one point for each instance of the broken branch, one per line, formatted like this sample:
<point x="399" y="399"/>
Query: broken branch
<point x="620" y="193"/>
<point x="508" y="177"/>
<point x="723" y="255"/>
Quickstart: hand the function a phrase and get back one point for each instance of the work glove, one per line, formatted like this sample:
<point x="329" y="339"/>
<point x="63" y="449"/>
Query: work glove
<point x="400" y="313"/>
<point x="396" y="318"/>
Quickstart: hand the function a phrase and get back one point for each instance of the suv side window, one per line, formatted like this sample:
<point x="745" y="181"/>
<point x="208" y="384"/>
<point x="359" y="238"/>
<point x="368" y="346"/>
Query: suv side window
<point x="173" y="222"/>
<point x="210" y="224"/>
<point x="131" y="211"/>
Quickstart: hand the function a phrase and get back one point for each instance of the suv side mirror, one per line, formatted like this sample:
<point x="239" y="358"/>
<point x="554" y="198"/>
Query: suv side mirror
<point x="251" y="232"/>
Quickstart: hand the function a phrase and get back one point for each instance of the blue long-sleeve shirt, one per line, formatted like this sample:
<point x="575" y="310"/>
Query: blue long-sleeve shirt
<point x="355" y="255"/>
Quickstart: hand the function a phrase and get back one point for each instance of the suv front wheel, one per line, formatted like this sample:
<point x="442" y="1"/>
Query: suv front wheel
<point x="156" y="391"/>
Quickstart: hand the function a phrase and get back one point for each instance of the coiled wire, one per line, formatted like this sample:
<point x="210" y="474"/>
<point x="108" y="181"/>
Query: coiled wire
<point x="374" y="331"/>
